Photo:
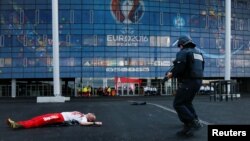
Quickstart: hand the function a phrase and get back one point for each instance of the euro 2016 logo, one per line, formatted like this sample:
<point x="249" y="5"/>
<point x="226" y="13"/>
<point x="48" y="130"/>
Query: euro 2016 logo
<point x="127" y="11"/>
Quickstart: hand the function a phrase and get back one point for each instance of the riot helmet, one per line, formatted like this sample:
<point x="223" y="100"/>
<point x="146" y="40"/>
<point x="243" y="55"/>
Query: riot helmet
<point x="185" y="40"/>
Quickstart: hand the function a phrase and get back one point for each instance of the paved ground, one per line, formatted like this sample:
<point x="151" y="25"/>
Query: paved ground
<point x="155" y="121"/>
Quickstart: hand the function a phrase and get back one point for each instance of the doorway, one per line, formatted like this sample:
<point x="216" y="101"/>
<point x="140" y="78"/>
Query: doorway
<point x="127" y="86"/>
<point x="127" y="89"/>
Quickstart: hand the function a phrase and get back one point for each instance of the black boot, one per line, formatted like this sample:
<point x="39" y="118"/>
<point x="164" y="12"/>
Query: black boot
<point x="189" y="129"/>
<point x="185" y="132"/>
<point x="195" y="124"/>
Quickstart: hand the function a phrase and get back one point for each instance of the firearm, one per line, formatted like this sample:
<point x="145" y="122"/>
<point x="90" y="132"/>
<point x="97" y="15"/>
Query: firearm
<point x="166" y="78"/>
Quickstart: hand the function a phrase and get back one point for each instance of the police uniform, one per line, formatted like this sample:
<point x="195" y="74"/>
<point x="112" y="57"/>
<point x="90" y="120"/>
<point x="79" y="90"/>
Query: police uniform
<point x="188" y="69"/>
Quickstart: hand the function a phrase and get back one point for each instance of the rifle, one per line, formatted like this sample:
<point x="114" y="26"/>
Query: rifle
<point x="166" y="78"/>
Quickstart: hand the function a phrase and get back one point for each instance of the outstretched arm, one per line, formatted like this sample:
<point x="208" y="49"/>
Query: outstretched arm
<point x="96" y="123"/>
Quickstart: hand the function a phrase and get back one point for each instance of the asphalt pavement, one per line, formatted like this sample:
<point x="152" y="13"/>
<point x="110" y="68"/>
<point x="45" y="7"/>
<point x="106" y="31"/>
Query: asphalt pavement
<point x="123" y="120"/>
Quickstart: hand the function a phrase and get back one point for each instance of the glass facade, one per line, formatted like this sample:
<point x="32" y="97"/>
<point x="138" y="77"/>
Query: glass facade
<point x="101" y="40"/>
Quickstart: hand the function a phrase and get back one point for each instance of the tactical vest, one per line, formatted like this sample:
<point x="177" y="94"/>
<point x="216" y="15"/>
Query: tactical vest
<point x="195" y="64"/>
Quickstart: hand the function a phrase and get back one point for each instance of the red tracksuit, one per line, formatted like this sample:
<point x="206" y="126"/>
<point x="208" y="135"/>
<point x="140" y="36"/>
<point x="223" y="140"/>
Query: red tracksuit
<point x="42" y="120"/>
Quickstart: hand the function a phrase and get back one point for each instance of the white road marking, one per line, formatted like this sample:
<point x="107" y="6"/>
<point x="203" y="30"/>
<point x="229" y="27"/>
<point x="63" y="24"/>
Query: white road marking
<point x="173" y="111"/>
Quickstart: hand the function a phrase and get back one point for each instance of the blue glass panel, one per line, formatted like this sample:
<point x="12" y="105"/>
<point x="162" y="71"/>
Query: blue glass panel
<point x="154" y="18"/>
<point x="87" y="2"/>
<point x="38" y="2"/>
<point x="76" y="40"/>
<point x="77" y="16"/>
<point x="29" y="16"/>
<point x="64" y="16"/>
<point x="85" y="16"/>
<point x="5" y="2"/>
<point x="166" y="19"/>
<point x="45" y="16"/>
<point x="64" y="1"/>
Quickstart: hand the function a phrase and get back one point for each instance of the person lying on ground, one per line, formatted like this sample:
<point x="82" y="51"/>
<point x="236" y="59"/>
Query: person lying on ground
<point x="50" y="119"/>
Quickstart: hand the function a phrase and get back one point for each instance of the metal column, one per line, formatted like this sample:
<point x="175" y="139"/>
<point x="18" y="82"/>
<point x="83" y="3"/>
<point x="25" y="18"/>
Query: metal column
<point x="228" y="41"/>
<point x="56" y="69"/>
<point x="13" y="88"/>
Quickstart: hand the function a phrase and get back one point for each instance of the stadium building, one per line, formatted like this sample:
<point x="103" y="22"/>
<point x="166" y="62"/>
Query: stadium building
<point x="122" y="44"/>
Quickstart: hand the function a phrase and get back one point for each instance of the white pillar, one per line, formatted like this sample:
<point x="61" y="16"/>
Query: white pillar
<point x="148" y="82"/>
<point x="76" y="87"/>
<point x="13" y="88"/>
<point x="228" y="41"/>
<point x="56" y="70"/>
<point x="105" y="82"/>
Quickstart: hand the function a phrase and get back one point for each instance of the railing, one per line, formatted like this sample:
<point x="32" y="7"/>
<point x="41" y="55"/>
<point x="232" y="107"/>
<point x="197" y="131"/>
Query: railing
<point x="156" y="87"/>
<point x="27" y="90"/>
<point x="33" y="90"/>
<point x="5" y="90"/>
<point x="224" y="90"/>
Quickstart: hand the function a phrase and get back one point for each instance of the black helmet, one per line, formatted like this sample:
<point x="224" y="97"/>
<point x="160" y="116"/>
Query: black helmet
<point x="185" y="40"/>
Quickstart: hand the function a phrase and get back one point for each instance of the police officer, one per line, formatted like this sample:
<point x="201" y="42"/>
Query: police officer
<point x="188" y="69"/>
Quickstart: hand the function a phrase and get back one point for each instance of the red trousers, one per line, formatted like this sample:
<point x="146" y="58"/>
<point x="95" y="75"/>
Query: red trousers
<point x="38" y="121"/>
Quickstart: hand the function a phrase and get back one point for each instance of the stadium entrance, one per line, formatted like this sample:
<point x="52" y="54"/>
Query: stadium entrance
<point x="128" y="86"/>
